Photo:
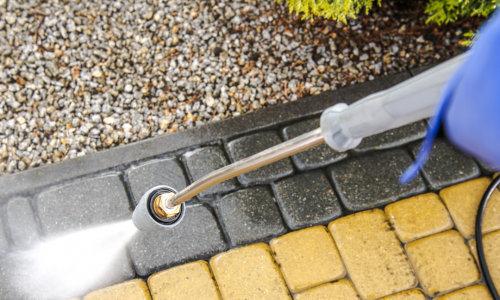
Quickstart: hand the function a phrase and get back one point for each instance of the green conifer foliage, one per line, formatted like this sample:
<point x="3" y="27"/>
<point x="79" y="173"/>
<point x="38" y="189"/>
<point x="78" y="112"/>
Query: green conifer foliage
<point x="439" y="11"/>
<point x="446" y="11"/>
<point x="330" y="9"/>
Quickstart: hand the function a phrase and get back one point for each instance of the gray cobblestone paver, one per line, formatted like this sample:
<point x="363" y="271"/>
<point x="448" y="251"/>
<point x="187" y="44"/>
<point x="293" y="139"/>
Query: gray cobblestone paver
<point x="446" y="165"/>
<point x="198" y="236"/>
<point x="82" y="204"/>
<point x="156" y="172"/>
<point x="372" y="180"/>
<point x="201" y="162"/>
<point x="393" y="138"/>
<point x="307" y="199"/>
<point x="250" y="215"/>
<point x="251" y="144"/>
<point x="315" y="157"/>
<point x="21" y="223"/>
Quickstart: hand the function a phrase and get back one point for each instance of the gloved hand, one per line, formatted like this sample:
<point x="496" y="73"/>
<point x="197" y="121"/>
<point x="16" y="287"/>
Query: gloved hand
<point x="469" y="108"/>
<point x="471" y="117"/>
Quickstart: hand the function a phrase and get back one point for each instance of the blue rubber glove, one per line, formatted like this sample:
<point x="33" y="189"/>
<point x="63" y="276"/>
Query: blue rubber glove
<point x="472" y="118"/>
<point x="469" y="108"/>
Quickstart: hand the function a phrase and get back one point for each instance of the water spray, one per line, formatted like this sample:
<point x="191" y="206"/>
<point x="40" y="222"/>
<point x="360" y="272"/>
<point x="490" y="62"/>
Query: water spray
<point x="342" y="128"/>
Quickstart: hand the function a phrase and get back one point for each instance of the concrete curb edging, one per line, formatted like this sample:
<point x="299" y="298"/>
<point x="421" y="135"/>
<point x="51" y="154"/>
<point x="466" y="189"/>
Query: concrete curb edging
<point x="32" y="181"/>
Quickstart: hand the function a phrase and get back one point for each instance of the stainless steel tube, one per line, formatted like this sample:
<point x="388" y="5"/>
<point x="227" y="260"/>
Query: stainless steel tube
<point x="288" y="148"/>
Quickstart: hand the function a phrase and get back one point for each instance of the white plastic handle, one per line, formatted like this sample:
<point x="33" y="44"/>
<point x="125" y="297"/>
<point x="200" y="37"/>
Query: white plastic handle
<point x="415" y="99"/>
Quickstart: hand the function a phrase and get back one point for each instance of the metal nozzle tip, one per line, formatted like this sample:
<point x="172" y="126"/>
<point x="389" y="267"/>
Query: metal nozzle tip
<point x="161" y="208"/>
<point x="153" y="213"/>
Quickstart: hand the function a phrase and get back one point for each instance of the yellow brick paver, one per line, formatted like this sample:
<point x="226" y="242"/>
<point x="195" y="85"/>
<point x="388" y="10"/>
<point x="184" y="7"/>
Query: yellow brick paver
<point x="491" y="245"/>
<point x="476" y="292"/>
<point x="414" y="294"/>
<point x="340" y="290"/>
<point x="249" y="273"/>
<point x="418" y="217"/>
<point x="190" y="281"/>
<point x="131" y="290"/>
<point x="443" y="262"/>
<point x="462" y="201"/>
<point x="372" y="254"/>
<point x="307" y="258"/>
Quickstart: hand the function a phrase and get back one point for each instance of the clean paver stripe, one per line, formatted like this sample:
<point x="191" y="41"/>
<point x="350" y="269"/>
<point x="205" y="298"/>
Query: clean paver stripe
<point x="308" y="259"/>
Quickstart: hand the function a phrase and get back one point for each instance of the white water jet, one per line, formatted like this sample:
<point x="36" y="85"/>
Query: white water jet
<point x="73" y="264"/>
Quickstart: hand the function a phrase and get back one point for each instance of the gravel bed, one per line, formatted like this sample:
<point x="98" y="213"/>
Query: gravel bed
<point x="81" y="76"/>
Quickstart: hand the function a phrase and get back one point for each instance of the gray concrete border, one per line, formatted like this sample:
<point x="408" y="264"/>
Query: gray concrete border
<point x="32" y="181"/>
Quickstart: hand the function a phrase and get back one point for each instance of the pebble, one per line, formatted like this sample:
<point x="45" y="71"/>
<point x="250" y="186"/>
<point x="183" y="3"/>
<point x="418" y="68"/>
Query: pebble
<point x="104" y="74"/>
<point x="210" y="101"/>
<point x="229" y="13"/>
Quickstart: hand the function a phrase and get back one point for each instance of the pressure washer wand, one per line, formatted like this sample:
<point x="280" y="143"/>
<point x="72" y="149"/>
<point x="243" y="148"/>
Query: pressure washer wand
<point x="342" y="128"/>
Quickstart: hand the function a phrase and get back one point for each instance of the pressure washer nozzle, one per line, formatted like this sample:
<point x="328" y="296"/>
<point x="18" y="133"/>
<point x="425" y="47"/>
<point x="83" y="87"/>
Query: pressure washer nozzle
<point x="153" y="213"/>
<point x="161" y="208"/>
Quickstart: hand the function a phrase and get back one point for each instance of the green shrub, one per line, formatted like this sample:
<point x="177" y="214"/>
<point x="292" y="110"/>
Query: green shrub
<point x="446" y="11"/>
<point x="334" y="9"/>
<point x="440" y="11"/>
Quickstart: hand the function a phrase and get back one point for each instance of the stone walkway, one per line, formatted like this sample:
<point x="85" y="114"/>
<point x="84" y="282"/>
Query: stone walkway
<point x="318" y="225"/>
